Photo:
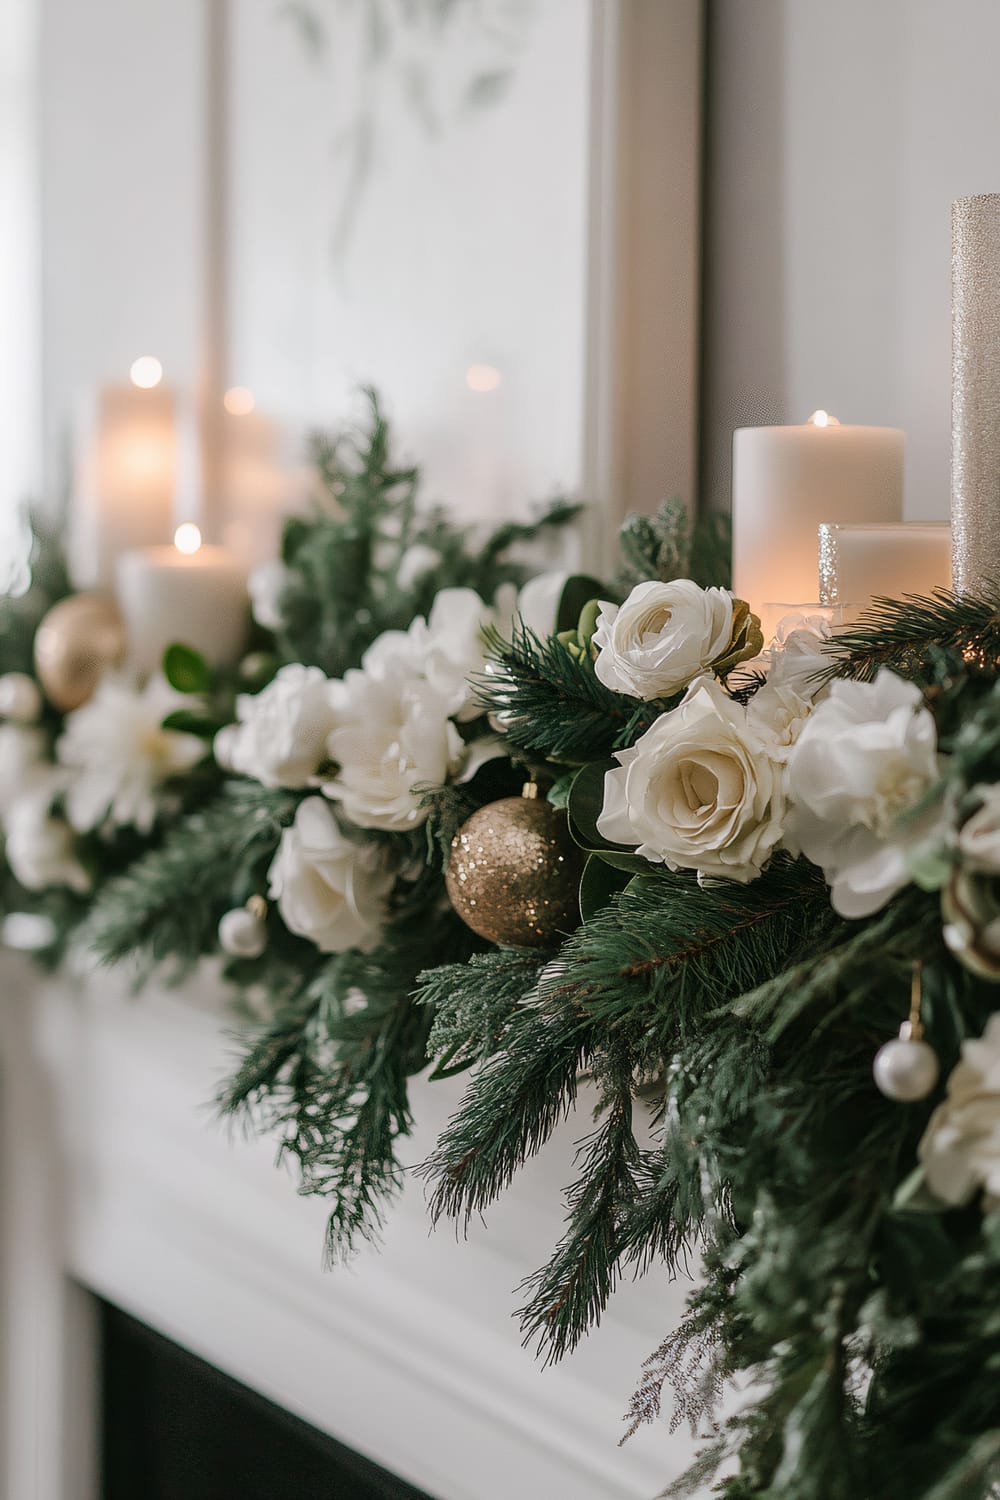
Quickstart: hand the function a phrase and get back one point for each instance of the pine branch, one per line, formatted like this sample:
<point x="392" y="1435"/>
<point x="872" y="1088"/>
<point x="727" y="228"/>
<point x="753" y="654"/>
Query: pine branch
<point x="168" y="904"/>
<point x="328" y="1073"/>
<point x="514" y="1103"/>
<point x="909" y="634"/>
<point x="569" y="1293"/>
<point x="551" y="702"/>
<point x="473" y="1002"/>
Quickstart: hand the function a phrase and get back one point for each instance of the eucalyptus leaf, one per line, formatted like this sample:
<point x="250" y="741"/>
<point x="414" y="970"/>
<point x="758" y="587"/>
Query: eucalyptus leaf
<point x="186" y="670"/>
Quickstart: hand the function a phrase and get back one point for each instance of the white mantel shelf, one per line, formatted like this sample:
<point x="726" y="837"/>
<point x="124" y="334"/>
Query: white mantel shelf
<point x="118" y="1175"/>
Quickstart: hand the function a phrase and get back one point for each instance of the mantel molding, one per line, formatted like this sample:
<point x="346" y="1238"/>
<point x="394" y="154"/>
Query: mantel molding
<point x="118" y="1175"/>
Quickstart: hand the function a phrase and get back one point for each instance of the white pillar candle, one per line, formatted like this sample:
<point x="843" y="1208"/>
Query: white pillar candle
<point x="786" y="480"/>
<point x="859" y="563"/>
<point x="125" y="473"/>
<point x="189" y="593"/>
<point x="256" y="484"/>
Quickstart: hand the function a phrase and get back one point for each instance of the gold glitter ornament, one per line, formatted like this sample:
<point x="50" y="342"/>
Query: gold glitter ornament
<point x="78" y="639"/>
<point x="514" y="872"/>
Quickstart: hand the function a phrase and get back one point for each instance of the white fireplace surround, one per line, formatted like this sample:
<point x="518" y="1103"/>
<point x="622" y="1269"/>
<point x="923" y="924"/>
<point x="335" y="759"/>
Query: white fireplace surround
<point x="119" y="1178"/>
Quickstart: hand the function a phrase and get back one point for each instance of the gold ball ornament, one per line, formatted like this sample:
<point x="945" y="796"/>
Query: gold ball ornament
<point x="514" y="872"/>
<point x="78" y="639"/>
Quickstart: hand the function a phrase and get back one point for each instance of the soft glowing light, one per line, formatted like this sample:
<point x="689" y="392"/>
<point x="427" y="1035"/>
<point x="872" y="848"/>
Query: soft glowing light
<point x="146" y="371"/>
<point x="482" y="377"/>
<point x="238" y="401"/>
<point x="187" y="537"/>
<point x="823" y="418"/>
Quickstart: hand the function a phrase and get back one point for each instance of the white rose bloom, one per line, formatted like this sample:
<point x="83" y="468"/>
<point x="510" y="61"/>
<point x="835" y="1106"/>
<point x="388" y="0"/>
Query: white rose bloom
<point x="41" y="849"/>
<point x="265" y="586"/>
<point x="328" y="889"/>
<point x="120" y="756"/>
<point x="24" y="763"/>
<point x="960" y="1149"/>
<point x="864" y="759"/>
<point x="392" y="737"/>
<point x="662" y="637"/>
<point x="797" y="654"/>
<point x="701" y="790"/>
<point x="280" y="737"/>
<point x="979" y="837"/>
<point x="778" y="713"/>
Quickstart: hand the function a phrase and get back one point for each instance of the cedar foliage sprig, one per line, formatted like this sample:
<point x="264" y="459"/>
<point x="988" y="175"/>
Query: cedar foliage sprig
<point x="347" y="580"/>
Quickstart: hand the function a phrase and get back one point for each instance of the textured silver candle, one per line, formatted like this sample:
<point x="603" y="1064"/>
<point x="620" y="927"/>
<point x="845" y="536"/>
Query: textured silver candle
<point x="975" y="399"/>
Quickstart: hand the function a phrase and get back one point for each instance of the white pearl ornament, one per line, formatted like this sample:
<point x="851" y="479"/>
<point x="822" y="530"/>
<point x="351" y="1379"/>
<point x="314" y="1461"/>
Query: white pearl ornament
<point x="906" y="1069"/>
<point x="242" y="933"/>
<point x="20" y="698"/>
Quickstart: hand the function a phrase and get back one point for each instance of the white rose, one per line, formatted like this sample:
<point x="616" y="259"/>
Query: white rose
<point x="328" y="889"/>
<point x="701" y="790"/>
<point x="960" y="1149"/>
<point x="797" y="655"/>
<point x="392" y="737"/>
<point x="979" y="837"/>
<point x="280" y="737"/>
<point x="120" y="755"/>
<point x="41" y="849"/>
<point x="265" y="586"/>
<point x="662" y="637"/>
<point x="864" y="759"/>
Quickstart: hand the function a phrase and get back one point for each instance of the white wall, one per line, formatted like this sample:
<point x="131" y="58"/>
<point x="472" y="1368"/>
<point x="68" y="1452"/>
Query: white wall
<point x="20" y="304"/>
<point x="838" y="136"/>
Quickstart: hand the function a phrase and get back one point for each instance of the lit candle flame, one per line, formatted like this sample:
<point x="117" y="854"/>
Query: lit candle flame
<point x="187" y="538"/>
<point x="145" y="372"/>
<point x="823" y="418"/>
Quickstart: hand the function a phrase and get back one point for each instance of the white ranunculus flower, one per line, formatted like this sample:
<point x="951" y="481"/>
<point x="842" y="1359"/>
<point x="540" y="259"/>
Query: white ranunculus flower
<point x="41" y="848"/>
<point x="280" y="737"/>
<point x="265" y="586"/>
<point x="392" y="737"/>
<point x="328" y="889"/>
<point x="24" y="763"/>
<point x="662" y="637"/>
<point x="960" y="1149"/>
<point x="864" y="759"/>
<point x="701" y="790"/>
<point x="979" y="837"/>
<point x="120" y="756"/>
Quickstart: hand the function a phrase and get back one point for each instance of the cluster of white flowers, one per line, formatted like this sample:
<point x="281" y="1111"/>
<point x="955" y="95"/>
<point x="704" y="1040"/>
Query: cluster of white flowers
<point x="370" y="743"/>
<point x="108" y="771"/>
<point x="714" y="786"/>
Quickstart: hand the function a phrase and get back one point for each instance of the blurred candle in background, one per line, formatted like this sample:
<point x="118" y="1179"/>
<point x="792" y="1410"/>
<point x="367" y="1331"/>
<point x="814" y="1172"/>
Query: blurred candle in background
<point x="256" y="480"/>
<point x="125" y="472"/>
<point x="862" y="562"/>
<point x="786" y="480"/>
<point x="186" y="592"/>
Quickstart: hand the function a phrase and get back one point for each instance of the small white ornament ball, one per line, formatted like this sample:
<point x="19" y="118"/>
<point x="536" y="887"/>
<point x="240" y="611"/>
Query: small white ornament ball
<point x="242" y="933"/>
<point x="906" y="1070"/>
<point x="20" y="698"/>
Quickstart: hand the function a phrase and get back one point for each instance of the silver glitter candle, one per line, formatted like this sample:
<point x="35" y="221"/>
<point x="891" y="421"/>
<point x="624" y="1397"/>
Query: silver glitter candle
<point x="975" y="399"/>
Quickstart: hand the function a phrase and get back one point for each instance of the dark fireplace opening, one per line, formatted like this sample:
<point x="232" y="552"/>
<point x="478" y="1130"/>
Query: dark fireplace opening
<point x="175" y="1428"/>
